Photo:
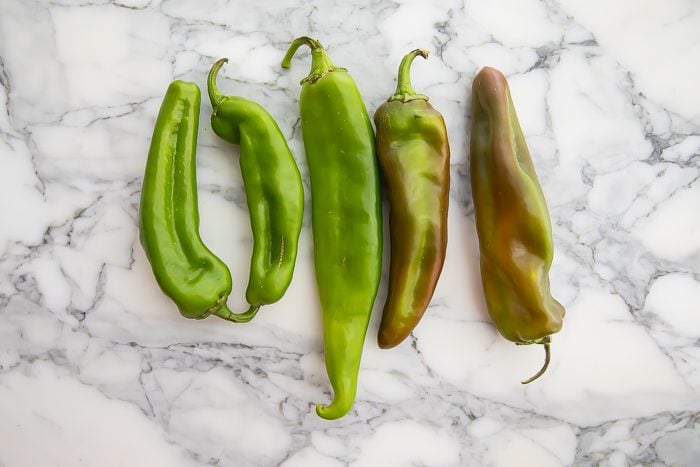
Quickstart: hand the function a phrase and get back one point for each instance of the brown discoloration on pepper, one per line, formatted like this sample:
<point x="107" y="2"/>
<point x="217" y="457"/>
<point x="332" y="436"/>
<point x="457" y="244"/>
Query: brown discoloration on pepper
<point x="414" y="156"/>
<point x="512" y="220"/>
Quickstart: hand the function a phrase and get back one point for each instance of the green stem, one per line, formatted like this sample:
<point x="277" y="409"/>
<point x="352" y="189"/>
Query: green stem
<point x="321" y="63"/>
<point x="546" y="341"/>
<point x="225" y="313"/>
<point x="404" y="91"/>
<point x="215" y="95"/>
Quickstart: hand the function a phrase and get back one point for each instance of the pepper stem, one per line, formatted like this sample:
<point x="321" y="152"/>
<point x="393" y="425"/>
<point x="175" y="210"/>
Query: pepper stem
<point x="321" y="63"/>
<point x="215" y="95"/>
<point x="225" y="313"/>
<point x="546" y="341"/>
<point x="404" y="91"/>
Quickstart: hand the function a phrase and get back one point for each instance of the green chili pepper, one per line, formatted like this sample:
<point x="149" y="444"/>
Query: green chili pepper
<point x="512" y="221"/>
<point x="346" y="215"/>
<point x="186" y="270"/>
<point x="273" y="187"/>
<point x="414" y="156"/>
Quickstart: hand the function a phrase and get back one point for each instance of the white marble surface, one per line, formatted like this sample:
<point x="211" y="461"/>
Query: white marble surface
<point x="97" y="368"/>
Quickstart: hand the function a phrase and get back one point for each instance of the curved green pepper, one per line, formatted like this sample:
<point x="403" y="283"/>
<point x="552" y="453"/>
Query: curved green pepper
<point x="512" y="221"/>
<point x="274" y="192"/>
<point x="414" y="156"/>
<point x="186" y="270"/>
<point x="346" y="215"/>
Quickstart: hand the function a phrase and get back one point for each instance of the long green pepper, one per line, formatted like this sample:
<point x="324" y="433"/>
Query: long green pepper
<point x="274" y="192"/>
<point x="186" y="270"/>
<point x="346" y="215"/>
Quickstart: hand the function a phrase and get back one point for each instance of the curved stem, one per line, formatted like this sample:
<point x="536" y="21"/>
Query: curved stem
<point x="321" y="63"/>
<point x="404" y="91"/>
<point x="546" y="341"/>
<point x="225" y="313"/>
<point x="215" y="95"/>
<point x="294" y="46"/>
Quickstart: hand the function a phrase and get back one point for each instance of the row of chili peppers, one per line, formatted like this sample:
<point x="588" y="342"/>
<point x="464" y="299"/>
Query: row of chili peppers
<point x="412" y="152"/>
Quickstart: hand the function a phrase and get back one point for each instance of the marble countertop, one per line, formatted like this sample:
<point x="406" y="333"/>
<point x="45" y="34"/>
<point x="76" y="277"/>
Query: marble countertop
<point x="97" y="368"/>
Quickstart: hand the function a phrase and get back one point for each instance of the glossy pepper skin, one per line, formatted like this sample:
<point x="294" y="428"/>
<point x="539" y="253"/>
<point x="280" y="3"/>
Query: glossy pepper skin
<point x="346" y="215"/>
<point x="186" y="270"/>
<point x="274" y="192"/>
<point x="512" y="221"/>
<point x="414" y="156"/>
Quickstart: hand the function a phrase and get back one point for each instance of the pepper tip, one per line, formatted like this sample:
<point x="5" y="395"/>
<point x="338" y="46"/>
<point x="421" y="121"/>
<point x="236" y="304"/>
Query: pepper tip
<point x="326" y="412"/>
<point x="339" y="406"/>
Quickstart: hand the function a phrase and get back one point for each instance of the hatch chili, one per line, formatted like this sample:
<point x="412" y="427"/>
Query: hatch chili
<point x="512" y="222"/>
<point x="186" y="270"/>
<point x="414" y="156"/>
<point x="274" y="192"/>
<point x="346" y="215"/>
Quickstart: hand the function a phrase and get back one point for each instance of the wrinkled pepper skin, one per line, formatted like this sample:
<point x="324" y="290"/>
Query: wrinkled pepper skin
<point x="186" y="270"/>
<point x="414" y="156"/>
<point x="512" y="221"/>
<point x="274" y="191"/>
<point x="346" y="216"/>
